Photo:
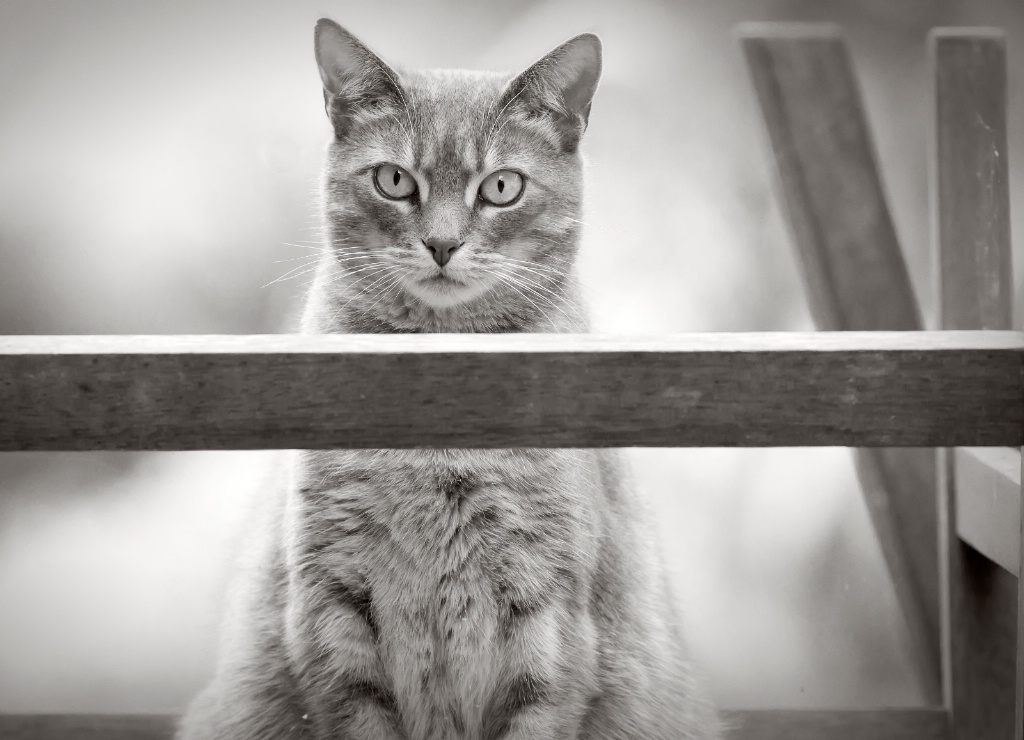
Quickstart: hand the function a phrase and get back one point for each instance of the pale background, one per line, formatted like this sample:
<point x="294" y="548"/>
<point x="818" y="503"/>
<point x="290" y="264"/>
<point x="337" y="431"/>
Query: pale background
<point x="158" y="168"/>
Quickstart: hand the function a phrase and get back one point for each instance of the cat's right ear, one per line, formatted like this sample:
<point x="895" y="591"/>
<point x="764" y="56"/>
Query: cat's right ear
<point x="355" y="79"/>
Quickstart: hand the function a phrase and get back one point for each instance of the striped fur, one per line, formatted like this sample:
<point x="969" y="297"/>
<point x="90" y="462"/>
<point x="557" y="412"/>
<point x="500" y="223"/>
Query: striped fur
<point x="430" y="594"/>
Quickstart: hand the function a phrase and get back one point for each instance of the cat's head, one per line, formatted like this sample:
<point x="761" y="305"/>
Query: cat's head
<point x="451" y="198"/>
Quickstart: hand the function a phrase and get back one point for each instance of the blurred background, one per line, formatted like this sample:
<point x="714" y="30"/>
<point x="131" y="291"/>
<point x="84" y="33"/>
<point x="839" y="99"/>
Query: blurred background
<point x="158" y="173"/>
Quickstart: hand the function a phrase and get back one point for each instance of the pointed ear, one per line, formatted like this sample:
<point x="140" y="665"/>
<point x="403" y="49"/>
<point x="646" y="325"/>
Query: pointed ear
<point x="355" y="79"/>
<point x="560" y="87"/>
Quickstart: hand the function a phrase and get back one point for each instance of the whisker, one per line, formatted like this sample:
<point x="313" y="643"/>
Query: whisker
<point x="377" y="290"/>
<point x="603" y="228"/>
<point x="547" y="294"/>
<point x="529" y="287"/>
<point x="292" y="273"/>
<point x="311" y="259"/>
<point x="534" y="267"/>
<point x="382" y="292"/>
<point x="362" y="291"/>
<point x="504" y="279"/>
<point x="376" y="266"/>
<point x="312" y="247"/>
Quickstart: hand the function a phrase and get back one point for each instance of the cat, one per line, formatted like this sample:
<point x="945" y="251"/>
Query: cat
<point x="433" y="593"/>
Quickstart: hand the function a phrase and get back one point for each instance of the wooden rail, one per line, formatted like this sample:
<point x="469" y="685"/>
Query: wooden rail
<point x="175" y="393"/>
<point x="879" y="724"/>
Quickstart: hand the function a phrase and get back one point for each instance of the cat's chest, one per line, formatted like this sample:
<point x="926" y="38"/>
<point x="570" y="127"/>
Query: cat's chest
<point x="451" y="559"/>
<point x="438" y="516"/>
<point x="442" y="605"/>
<point x="455" y="542"/>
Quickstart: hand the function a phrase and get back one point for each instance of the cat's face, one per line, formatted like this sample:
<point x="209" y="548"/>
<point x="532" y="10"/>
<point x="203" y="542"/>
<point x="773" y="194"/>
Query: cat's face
<point x="451" y="192"/>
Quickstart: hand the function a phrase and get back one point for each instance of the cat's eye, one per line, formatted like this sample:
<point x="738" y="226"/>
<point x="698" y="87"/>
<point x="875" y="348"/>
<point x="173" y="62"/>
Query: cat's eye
<point x="501" y="188"/>
<point x="393" y="182"/>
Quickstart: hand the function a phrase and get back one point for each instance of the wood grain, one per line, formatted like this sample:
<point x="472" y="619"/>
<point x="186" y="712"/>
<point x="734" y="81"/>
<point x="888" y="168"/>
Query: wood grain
<point x="969" y="193"/>
<point x="988" y="502"/>
<point x="256" y="392"/>
<point x="881" y="724"/>
<point x="874" y="724"/>
<point x="980" y="639"/>
<point x="87" y="726"/>
<point x="971" y="196"/>
<point x="856" y="279"/>
<point x="828" y="178"/>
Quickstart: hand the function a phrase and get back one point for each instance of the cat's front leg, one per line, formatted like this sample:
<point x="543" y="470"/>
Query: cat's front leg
<point x="334" y="652"/>
<point x="539" y="722"/>
<point x="545" y="697"/>
<point x="355" y="710"/>
<point x="252" y="704"/>
<point x="254" y="694"/>
<point x="668" y="708"/>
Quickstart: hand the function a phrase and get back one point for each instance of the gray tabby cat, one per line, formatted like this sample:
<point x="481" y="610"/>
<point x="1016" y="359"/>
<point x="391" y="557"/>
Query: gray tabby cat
<point x="430" y="594"/>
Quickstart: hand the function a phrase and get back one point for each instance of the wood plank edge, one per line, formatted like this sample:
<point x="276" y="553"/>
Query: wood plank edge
<point x="1018" y="709"/>
<point x="762" y="724"/>
<point x="771" y="31"/>
<point x="988" y="502"/>
<point x="725" y="342"/>
<point x="924" y="723"/>
<point x="967" y="33"/>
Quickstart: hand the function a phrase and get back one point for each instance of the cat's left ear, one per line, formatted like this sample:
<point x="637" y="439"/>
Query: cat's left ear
<point x="355" y="79"/>
<point x="560" y="87"/>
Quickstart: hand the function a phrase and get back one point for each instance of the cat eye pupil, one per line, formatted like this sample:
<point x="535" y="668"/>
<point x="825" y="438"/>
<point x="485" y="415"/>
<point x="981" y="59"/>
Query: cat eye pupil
<point x="397" y="177"/>
<point x="501" y="184"/>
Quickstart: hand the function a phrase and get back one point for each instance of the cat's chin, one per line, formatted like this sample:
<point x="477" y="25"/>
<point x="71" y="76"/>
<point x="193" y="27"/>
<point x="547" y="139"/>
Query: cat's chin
<point x="441" y="292"/>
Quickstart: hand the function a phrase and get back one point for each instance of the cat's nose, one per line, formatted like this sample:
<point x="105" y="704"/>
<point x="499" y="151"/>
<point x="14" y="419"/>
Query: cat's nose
<point x="441" y="249"/>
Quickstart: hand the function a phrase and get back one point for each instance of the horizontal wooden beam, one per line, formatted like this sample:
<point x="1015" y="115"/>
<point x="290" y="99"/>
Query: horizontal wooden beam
<point x="988" y="503"/>
<point x="768" y="724"/>
<point x="915" y="389"/>
<point x="868" y="724"/>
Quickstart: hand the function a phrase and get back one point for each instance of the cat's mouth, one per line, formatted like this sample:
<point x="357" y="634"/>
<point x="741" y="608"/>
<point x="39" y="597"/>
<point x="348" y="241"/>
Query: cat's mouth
<point x="441" y="278"/>
<point x="443" y="290"/>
